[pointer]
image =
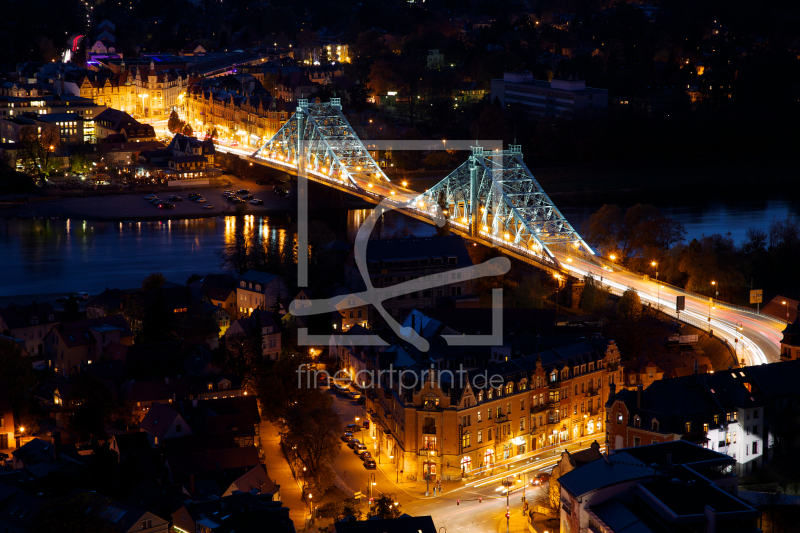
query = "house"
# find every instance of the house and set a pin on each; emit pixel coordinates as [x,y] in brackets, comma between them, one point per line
[31,323]
[660,487]
[206,464]
[7,427]
[108,302]
[270,332]
[569,462]
[255,481]
[131,447]
[259,290]
[224,298]
[18,509]
[163,422]
[738,412]
[236,512]
[78,343]
[40,457]
[240,426]
[122,126]
[401,524]
[140,396]
[218,386]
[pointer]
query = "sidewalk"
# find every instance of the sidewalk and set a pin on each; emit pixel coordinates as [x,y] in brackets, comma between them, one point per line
[518,523]
[279,470]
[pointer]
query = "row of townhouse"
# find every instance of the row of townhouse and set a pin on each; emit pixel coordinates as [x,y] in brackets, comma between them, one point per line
[249,119]
[445,423]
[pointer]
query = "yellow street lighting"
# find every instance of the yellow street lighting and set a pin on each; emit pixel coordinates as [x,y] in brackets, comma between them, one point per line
[405,184]
[653,263]
[612,257]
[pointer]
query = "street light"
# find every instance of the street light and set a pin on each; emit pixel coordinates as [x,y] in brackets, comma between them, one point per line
[396,469]
[310,501]
[658,287]
[787,310]
[716,288]
[372,483]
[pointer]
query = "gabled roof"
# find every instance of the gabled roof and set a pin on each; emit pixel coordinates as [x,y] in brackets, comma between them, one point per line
[80,333]
[156,390]
[264,278]
[132,443]
[255,478]
[20,316]
[158,420]
[182,466]
[237,424]
[678,452]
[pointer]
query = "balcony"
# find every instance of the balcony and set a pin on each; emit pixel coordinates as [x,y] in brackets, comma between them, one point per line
[537,408]
[554,385]
[592,392]
[501,419]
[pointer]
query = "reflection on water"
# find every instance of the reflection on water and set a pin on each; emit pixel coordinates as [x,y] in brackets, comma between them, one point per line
[52,256]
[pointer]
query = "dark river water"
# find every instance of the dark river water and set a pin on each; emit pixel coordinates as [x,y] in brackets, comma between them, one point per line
[51,256]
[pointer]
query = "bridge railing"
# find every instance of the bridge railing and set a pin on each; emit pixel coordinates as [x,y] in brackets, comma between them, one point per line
[568,250]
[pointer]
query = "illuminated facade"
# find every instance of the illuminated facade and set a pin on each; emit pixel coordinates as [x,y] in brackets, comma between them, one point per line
[249,120]
[144,92]
[442,428]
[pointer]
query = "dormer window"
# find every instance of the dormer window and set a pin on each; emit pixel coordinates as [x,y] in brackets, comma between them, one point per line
[637,422]
[242,284]
[654,425]
[34,321]
[258,288]
[210,386]
[251,285]
[510,388]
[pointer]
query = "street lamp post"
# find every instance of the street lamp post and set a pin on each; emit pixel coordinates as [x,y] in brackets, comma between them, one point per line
[787,310]
[311,502]
[396,469]
[658,287]
[716,289]
[372,484]
[360,426]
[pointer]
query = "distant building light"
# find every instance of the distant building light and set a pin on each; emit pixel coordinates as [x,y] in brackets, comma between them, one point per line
[392,93]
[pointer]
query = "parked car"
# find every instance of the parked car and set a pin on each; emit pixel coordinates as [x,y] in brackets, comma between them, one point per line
[346,436]
[358,449]
[280,191]
[264,181]
[353,443]
[154,201]
[201,200]
[365,455]
[233,199]
[176,198]
[243,191]
[352,428]
[209,206]
[247,196]
[149,196]
[194,196]
[166,205]
[370,464]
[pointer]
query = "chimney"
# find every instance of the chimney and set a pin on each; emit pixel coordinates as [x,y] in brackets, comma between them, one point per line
[639,396]
[57,445]
[612,393]
[606,459]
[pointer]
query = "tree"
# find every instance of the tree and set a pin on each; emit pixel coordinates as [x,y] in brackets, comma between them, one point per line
[188,131]
[384,507]
[241,357]
[192,278]
[175,124]
[594,296]
[311,428]
[629,307]
[529,294]
[236,254]
[89,407]
[382,77]
[154,281]
[157,321]
[37,151]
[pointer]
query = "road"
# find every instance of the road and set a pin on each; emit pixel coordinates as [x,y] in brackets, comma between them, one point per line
[469,506]
[756,338]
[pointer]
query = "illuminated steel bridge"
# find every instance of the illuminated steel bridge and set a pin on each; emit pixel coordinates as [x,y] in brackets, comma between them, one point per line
[492,197]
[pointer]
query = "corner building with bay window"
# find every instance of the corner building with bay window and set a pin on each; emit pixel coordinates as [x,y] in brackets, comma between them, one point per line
[442,425]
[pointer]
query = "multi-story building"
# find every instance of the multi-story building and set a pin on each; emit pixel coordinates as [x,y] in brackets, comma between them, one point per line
[60,103]
[259,290]
[30,323]
[395,261]
[71,127]
[744,412]
[445,423]
[15,129]
[565,99]
[270,332]
[146,92]
[79,343]
[119,126]
[674,486]
[7,427]
[295,86]
[247,119]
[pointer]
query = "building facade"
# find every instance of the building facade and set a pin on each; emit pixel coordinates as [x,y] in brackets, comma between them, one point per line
[451,427]
[564,99]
